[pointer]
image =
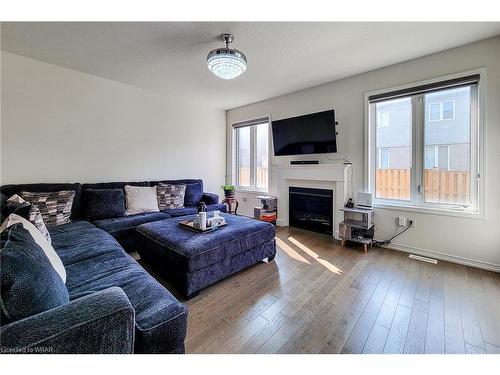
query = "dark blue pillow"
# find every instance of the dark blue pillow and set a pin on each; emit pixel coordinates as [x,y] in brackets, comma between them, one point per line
[7,208]
[193,194]
[29,283]
[21,209]
[103,203]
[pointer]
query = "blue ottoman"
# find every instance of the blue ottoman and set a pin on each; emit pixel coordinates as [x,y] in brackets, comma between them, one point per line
[192,261]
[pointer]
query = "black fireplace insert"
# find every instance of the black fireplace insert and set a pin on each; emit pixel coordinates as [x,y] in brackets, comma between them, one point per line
[311,209]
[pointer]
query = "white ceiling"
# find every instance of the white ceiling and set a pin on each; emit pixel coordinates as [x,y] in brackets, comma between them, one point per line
[169,57]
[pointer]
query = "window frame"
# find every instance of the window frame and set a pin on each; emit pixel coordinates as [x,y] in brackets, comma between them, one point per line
[417,203]
[252,124]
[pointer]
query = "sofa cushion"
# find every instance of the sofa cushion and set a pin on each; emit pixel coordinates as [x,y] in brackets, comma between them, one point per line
[55,207]
[103,203]
[217,207]
[151,301]
[29,283]
[140,199]
[193,195]
[194,189]
[170,196]
[39,239]
[129,222]
[112,185]
[10,190]
[72,241]
[174,212]
[19,206]
[95,261]
[16,205]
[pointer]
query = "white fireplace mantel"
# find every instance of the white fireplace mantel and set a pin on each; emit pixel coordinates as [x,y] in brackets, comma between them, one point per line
[336,177]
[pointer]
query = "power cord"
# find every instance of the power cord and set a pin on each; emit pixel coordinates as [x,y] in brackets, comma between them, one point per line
[392,237]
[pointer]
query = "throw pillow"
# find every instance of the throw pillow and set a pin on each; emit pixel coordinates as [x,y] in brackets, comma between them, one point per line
[55,207]
[103,203]
[33,215]
[170,196]
[139,199]
[41,241]
[16,205]
[29,283]
[193,195]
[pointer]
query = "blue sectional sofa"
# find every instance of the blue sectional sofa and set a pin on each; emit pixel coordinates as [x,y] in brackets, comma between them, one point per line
[114,306]
[123,228]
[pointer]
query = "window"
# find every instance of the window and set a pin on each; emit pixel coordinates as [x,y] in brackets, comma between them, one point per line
[441,111]
[437,157]
[251,151]
[394,147]
[383,158]
[383,119]
[419,161]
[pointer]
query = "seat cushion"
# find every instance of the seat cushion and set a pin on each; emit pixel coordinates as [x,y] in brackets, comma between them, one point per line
[202,250]
[129,222]
[80,240]
[95,261]
[123,228]
[29,283]
[175,212]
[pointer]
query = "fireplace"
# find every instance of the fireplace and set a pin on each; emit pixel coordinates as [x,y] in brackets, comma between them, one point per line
[311,209]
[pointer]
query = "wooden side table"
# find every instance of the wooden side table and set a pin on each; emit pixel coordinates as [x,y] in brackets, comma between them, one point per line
[231,204]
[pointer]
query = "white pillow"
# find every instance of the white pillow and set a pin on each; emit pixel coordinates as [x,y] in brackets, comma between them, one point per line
[139,199]
[41,241]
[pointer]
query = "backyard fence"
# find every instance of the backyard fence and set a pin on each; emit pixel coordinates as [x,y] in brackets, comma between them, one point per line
[439,186]
[261,176]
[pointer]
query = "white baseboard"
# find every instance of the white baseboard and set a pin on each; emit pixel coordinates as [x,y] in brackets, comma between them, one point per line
[447,257]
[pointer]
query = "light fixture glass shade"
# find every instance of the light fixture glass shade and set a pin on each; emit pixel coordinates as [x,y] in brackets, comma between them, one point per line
[226,63]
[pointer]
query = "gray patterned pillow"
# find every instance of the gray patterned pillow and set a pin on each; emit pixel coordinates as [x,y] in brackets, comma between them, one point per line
[170,196]
[55,207]
[34,216]
[37,220]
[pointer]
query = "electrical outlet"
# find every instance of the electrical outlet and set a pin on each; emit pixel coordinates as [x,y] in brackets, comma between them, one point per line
[402,221]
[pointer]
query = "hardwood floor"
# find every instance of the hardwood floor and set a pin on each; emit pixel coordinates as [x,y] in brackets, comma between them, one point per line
[319,297]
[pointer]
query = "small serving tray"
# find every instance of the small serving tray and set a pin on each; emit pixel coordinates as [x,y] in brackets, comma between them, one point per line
[189,224]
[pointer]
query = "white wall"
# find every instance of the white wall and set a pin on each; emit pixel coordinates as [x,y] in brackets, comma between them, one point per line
[61,125]
[468,241]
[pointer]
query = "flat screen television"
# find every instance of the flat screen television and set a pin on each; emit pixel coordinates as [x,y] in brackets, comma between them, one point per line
[308,134]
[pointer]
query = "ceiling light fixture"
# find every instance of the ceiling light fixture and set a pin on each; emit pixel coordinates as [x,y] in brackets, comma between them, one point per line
[227,63]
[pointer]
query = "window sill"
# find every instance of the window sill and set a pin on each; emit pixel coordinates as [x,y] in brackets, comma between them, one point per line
[251,191]
[429,210]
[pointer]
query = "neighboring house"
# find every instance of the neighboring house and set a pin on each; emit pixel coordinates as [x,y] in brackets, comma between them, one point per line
[446,131]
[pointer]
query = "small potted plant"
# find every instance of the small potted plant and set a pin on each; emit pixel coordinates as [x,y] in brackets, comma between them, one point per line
[229,190]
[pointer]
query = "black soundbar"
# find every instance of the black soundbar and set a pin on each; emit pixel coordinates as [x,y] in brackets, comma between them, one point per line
[294,162]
